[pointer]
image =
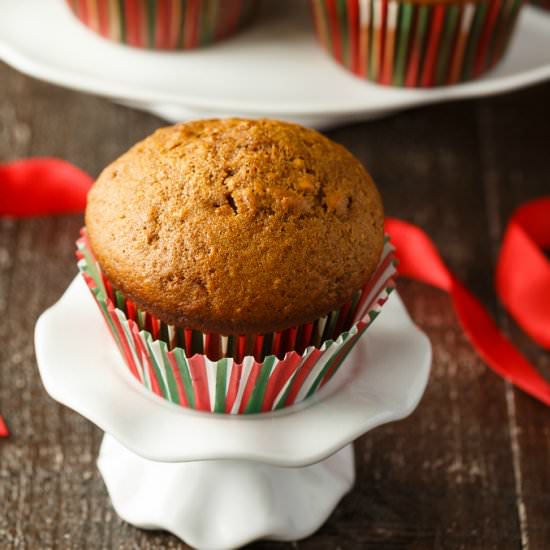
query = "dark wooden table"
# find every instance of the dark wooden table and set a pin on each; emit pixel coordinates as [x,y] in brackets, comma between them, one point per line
[469,469]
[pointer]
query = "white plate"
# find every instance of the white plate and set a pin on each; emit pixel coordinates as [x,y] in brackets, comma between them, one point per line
[275,68]
[81,367]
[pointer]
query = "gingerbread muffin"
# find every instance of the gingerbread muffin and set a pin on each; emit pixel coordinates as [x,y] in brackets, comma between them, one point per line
[235,238]
[236,226]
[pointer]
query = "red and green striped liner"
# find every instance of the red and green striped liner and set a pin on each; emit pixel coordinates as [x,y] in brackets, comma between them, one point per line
[415,44]
[246,378]
[164,24]
[545,4]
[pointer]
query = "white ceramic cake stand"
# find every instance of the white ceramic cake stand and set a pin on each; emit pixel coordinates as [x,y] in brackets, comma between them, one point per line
[221,481]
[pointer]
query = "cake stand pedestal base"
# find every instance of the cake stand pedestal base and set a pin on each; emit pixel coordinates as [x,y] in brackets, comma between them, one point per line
[224,504]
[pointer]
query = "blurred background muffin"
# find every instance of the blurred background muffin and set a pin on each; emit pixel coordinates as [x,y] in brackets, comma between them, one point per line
[164,24]
[418,43]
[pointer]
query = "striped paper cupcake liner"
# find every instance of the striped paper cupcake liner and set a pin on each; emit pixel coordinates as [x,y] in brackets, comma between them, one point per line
[237,382]
[415,44]
[164,24]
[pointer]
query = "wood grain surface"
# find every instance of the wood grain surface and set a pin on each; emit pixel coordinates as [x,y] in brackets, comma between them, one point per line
[469,469]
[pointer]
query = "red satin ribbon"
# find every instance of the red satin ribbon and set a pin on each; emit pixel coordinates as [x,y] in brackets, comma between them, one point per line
[41,186]
[51,186]
[523,286]
[523,272]
[3,428]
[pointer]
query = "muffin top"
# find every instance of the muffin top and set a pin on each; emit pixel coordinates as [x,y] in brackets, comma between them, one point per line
[236,226]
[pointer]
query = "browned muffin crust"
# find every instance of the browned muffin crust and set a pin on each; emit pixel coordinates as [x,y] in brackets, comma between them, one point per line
[236,226]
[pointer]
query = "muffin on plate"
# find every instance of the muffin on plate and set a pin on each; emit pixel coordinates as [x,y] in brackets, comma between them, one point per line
[164,24]
[236,261]
[416,43]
